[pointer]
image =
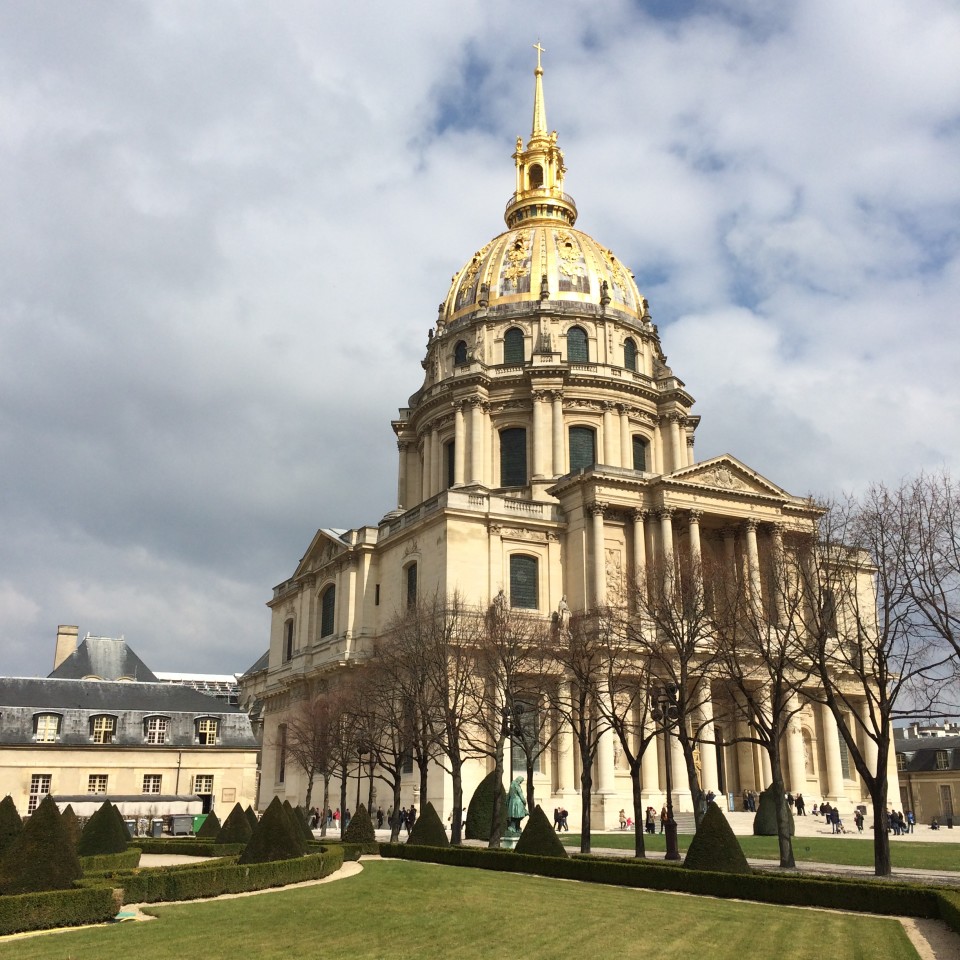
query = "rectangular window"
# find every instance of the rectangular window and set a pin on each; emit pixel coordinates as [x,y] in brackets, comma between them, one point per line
[282,753]
[39,788]
[524,582]
[287,641]
[901,761]
[451,454]
[103,729]
[151,782]
[203,784]
[207,730]
[411,585]
[525,737]
[844,759]
[328,609]
[943,760]
[376,595]
[97,783]
[639,453]
[582,448]
[513,457]
[157,730]
[48,727]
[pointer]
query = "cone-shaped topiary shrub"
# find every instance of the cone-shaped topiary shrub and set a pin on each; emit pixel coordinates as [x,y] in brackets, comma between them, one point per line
[276,837]
[297,821]
[210,828]
[539,838]
[480,809]
[105,832]
[10,823]
[361,829]
[765,820]
[42,856]
[252,818]
[428,830]
[714,846]
[236,828]
[71,824]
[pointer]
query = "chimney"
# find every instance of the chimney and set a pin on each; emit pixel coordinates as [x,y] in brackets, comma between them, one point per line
[66,643]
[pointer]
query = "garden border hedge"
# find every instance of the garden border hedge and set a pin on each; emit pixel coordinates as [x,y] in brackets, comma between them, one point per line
[98,862]
[57,908]
[861,896]
[188,847]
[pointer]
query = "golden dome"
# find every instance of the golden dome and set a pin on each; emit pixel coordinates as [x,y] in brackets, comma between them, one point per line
[541,256]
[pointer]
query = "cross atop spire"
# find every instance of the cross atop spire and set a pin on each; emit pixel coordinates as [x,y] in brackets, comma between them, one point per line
[539,110]
[539,50]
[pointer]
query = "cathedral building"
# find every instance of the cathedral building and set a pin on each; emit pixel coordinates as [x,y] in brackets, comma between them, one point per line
[548,454]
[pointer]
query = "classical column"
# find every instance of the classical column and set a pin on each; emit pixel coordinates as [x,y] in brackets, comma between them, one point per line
[626,442]
[426,471]
[870,754]
[606,757]
[696,554]
[657,446]
[649,764]
[565,746]
[795,754]
[709,779]
[438,478]
[459,444]
[765,766]
[540,436]
[476,440]
[559,460]
[746,770]
[402,474]
[691,459]
[640,552]
[675,453]
[831,750]
[609,438]
[666,548]
[681,782]
[595,510]
[779,569]
[753,561]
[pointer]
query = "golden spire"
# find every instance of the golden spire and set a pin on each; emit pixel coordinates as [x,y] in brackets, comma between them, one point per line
[539,110]
[539,192]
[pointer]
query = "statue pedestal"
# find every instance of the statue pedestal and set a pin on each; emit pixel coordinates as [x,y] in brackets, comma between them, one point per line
[508,842]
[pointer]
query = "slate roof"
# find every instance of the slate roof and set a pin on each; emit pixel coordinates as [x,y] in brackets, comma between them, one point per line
[105,658]
[921,753]
[262,663]
[62,694]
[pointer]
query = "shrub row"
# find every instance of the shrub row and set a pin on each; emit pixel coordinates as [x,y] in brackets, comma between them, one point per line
[57,908]
[194,882]
[111,861]
[188,847]
[351,851]
[861,896]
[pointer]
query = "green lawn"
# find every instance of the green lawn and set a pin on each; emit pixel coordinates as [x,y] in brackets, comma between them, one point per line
[399,910]
[846,851]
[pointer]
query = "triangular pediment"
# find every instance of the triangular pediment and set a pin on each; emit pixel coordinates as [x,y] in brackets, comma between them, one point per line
[728,474]
[326,545]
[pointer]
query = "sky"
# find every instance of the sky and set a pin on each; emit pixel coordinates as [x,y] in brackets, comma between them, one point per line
[225,229]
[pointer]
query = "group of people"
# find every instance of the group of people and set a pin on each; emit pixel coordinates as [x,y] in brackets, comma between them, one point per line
[560,819]
[797,804]
[831,815]
[899,824]
[332,817]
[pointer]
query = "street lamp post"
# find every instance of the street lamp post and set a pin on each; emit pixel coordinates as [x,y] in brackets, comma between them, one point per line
[361,753]
[665,712]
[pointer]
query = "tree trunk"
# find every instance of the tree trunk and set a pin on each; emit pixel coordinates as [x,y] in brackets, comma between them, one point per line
[586,795]
[422,764]
[494,841]
[326,804]
[310,775]
[395,815]
[343,797]
[882,866]
[639,819]
[456,831]
[783,816]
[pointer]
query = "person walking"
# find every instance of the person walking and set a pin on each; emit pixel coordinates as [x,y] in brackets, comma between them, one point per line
[799,804]
[379,818]
[663,819]
[858,820]
[911,821]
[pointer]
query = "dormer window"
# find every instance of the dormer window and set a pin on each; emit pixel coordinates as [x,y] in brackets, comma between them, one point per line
[155,729]
[46,727]
[901,762]
[208,730]
[943,760]
[103,728]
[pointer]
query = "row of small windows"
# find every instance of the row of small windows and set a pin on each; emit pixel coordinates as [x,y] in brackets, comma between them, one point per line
[578,349]
[103,728]
[98,783]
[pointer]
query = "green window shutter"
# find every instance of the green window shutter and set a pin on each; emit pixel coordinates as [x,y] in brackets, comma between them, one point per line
[328,606]
[582,448]
[630,355]
[577,345]
[513,346]
[513,457]
[451,461]
[411,584]
[524,586]
[639,453]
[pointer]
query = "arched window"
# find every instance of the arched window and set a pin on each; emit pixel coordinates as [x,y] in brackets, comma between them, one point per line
[411,585]
[328,609]
[513,346]
[460,352]
[450,452]
[524,582]
[103,728]
[46,727]
[577,351]
[639,453]
[155,729]
[288,641]
[536,176]
[513,457]
[583,448]
[901,762]
[630,354]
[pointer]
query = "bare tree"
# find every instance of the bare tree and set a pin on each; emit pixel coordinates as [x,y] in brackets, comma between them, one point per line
[876,657]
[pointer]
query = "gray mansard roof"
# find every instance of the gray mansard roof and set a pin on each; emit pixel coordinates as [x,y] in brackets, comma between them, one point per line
[76,701]
[106,659]
[921,752]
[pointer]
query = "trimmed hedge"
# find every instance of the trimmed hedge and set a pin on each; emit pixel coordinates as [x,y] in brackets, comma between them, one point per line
[480,809]
[42,856]
[715,847]
[199,881]
[105,832]
[277,836]
[252,817]
[539,838]
[71,824]
[360,829]
[428,830]
[236,828]
[57,908]
[765,819]
[351,851]
[128,860]
[209,828]
[187,847]
[839,894]
[11,823]
[950,908]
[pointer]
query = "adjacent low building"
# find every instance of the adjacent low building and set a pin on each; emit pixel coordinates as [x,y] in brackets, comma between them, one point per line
[928,765]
